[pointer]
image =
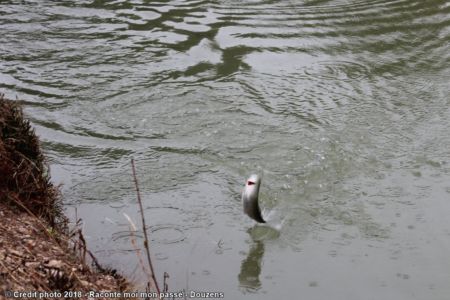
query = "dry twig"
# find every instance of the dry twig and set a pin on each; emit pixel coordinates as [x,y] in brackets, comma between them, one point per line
[144,229]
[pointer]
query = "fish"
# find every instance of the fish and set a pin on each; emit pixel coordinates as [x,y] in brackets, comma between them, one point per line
[250,197]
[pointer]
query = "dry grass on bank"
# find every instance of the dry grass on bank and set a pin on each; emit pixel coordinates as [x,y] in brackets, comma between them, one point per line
[32,260]
[24,176]
[37,251]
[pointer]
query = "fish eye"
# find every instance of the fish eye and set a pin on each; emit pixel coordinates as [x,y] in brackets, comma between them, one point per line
[250,182]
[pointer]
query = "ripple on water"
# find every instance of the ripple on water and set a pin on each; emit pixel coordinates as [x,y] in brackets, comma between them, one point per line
[264,233]
[143,15]
[337,70]
[161,231]
[161,234]
[167,233]
[188,26]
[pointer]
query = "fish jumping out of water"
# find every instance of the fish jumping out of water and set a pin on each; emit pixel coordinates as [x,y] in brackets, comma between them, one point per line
[250,198]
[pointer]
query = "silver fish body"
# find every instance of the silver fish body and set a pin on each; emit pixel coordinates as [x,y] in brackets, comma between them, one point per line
[250,197]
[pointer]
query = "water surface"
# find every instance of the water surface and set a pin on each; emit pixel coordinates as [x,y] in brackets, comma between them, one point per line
[342,106]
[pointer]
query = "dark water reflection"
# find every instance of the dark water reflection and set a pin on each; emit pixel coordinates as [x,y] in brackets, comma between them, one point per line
[342,105]
[251,268]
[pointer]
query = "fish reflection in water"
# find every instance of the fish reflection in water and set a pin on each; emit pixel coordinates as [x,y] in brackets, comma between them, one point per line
[251,268]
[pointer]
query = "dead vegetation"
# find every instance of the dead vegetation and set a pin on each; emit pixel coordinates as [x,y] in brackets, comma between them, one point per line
[24,176]
[37,250]
[30,260]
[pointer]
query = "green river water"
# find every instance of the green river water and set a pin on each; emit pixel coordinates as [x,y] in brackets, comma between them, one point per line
[342,106]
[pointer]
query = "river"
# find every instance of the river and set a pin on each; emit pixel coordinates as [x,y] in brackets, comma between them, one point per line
[342,106]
